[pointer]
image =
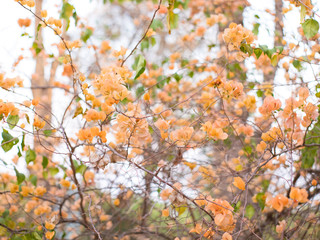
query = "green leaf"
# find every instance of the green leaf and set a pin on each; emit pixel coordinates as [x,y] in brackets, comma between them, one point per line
[255,30]
[302,13]
[274,60]
[265,185]
[8,141]
[257,52]
[53,171]
[135,63]
[259,93]
[27,118]
[170,14]
[180,210]
[177,77]
[36,48]
[45,175]
[30,156]
[248,149]
[66,12]
[78,111]
[297,65]
[280,48]
[161,81]
[308,157]
[22,141]
[139,91]
[12,120]
[33,179]
[47,132]
[249,211]
[19,152]
[144,44]
[81,169]
[246,48]
[153,41]
[141,66]
[45,162]
[38,29]
[310,28]
[237,206]
[75,17]
[267,51]
[20,176]
[251,85]
[261,199]
[36,236]
[86,35]
[190,74]
[6,213]
[156,24]
[264,48]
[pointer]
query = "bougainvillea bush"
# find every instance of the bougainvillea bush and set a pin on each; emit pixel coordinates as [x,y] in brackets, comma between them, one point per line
[162,120]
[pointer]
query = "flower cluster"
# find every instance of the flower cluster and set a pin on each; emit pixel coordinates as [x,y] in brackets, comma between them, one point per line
[88,134]
[182,136]
[235,35]
[111,83]
[269,105]
[214,132]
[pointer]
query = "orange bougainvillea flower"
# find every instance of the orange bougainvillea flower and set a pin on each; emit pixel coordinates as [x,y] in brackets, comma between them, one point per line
[279,202]
[105,46]
[165,212]
[65,183]
[37,123]
[14,188]
[269,105]
[239,183]
[8,108]
[197,229]
[116,202]
[93,115]
[39,191]
[165,194]
[261,146]
[215,133]
[24,22]
[89,176]
[49,235]
[35,102]
[162,124]
[226,236]
[49,226]
[281,227]
[235,35]
[44,13]
[25,190]
[104,217]
[303,93]
[222,211]
[209,233]
[224,221]
[300,195]
[182,136]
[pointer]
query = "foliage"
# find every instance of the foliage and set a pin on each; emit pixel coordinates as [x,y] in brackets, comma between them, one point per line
[173,137]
